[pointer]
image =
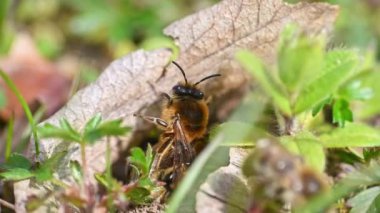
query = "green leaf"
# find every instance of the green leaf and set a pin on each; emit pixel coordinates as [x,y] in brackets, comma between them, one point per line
[76,171]
[111,184]
[147,183]
[255,67]
[149,156]
[101,178]
[8,81]
[233,131]
[93,122]
[16,160]
[365,201]
[355,91]
[16,174]
[139,195]
[342,112]
[371,107]
[50,131]
[320,106]
[109,128]
[371,153]
[308,146]
[138,159]
[43,174]
[299,60]
[353,135]
[64,124]
[54,161]
[339,66]
[46,169]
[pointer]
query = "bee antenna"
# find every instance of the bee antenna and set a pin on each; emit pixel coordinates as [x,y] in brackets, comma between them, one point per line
[183,72]
[208,77]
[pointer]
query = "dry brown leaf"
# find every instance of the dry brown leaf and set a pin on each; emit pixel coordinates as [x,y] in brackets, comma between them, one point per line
[208,41]
[37,79]
[120,91]
[226,189]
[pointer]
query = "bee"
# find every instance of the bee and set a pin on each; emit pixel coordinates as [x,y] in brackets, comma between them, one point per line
[184,121]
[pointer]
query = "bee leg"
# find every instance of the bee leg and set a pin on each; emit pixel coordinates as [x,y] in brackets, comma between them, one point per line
[165,95]
[157,121]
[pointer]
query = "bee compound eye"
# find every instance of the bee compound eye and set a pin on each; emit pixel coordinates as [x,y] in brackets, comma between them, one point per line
[179,90]
[197,94]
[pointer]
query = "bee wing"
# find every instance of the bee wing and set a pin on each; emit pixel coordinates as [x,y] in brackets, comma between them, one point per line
[183,153]
[183,148]
[173,155]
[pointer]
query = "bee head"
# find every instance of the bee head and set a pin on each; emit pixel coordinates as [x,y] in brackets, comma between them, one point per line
[186,90]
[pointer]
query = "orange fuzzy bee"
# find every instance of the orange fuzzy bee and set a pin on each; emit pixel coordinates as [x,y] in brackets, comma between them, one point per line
[184,120]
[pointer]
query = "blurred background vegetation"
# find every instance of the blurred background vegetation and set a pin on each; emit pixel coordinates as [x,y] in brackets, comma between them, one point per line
[86,35]
[100,31]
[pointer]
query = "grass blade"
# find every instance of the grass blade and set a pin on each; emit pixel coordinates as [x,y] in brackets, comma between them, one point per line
[8,143]
[25,107]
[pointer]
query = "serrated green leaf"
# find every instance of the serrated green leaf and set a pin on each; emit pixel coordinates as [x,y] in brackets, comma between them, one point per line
[64,124]
[365,201]
[46,169]
[147,183]
[342,112]
[93,123]
[138,159]
[43,174]
[299,60]
[139,195]
[339,66]
[51,131]
[17,160]
[353,135]
[109,128]
[16,174]
[308,146]
[255,67]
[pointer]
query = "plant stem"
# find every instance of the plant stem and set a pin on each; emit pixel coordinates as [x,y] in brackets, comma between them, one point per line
[8,143]
[7,204]
[25,107]
[109,176]
[59,183]
[84,163]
